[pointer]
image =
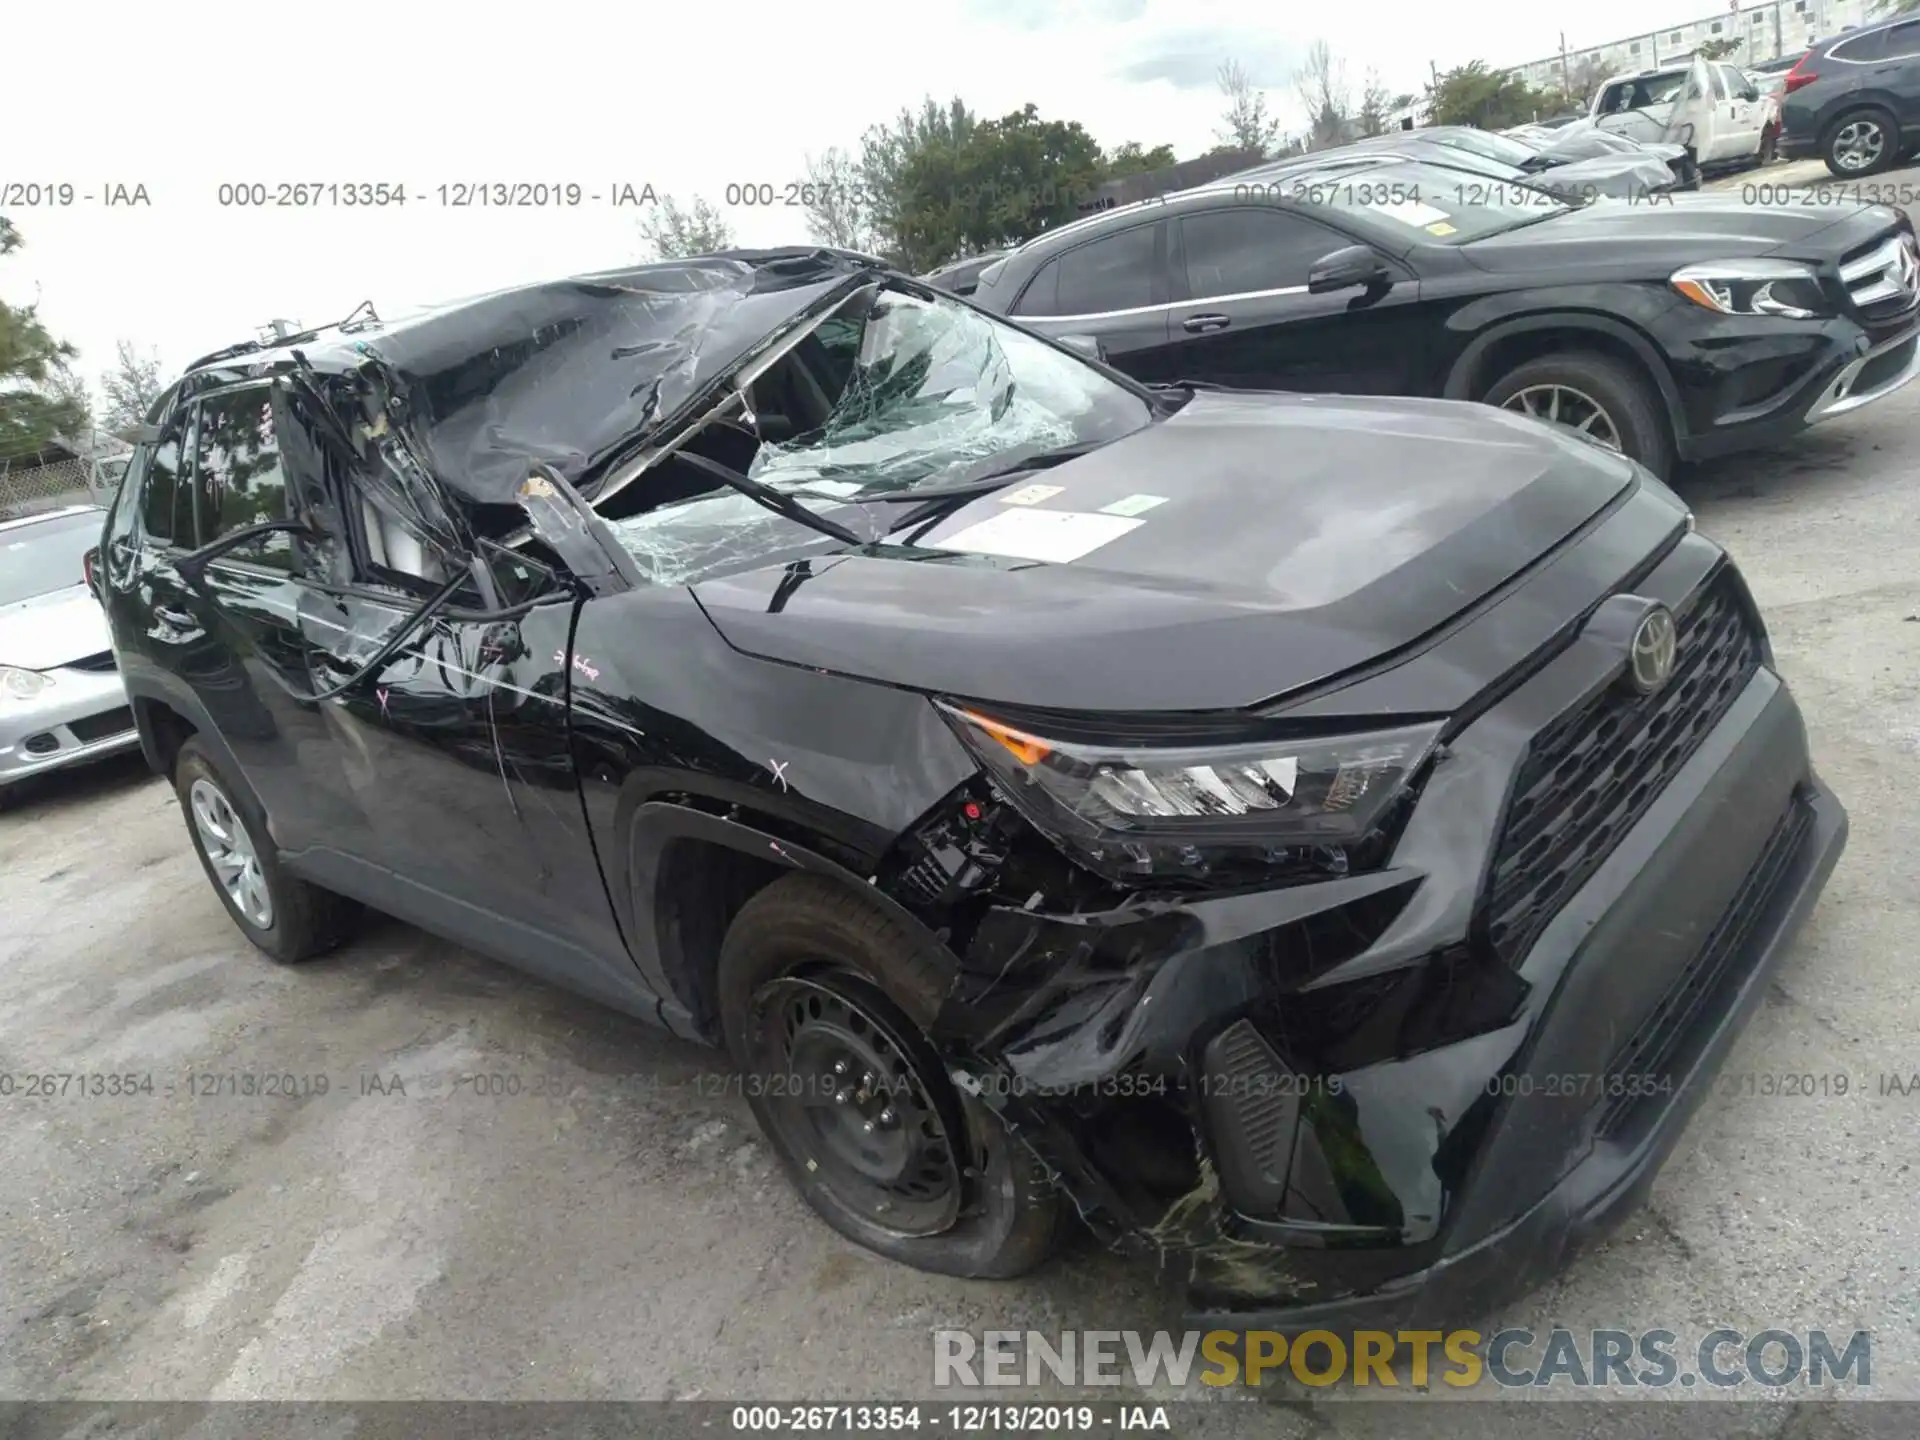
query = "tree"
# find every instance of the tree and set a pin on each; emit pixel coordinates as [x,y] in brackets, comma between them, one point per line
[834,200]
[887,150]
[1322,83]
[1471,94]
[676,234]
[131,387]
[1583,78]
[1716,49]
[1131,159]
[1375,105]
[1247,124]
[1003,183]
[36,395]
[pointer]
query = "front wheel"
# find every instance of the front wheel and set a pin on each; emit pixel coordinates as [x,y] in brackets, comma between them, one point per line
[1595,394]
[1861,142]
[824,1002]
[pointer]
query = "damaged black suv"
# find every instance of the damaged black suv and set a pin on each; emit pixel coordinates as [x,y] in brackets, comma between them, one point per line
[1324,842]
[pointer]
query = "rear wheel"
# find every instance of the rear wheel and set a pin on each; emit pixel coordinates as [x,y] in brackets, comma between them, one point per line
[1596,394]
[824,1002]
[1861,142]
[285,917]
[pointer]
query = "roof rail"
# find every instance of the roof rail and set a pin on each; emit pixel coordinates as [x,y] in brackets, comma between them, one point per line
[363,316]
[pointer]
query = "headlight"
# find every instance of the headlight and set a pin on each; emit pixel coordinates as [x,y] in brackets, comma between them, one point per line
[1754,287]
[1141,810]
[18,684]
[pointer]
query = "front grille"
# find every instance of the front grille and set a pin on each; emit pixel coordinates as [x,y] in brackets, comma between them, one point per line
[1593,772]
[1658,1040]
[1881,278]
[99,727]
[102,662]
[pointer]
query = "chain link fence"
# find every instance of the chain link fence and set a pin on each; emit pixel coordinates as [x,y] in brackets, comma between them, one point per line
[57,476]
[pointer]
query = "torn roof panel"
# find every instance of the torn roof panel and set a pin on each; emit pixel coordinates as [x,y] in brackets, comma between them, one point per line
[575,372]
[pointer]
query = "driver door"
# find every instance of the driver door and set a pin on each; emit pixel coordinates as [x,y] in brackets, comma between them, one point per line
[455,746]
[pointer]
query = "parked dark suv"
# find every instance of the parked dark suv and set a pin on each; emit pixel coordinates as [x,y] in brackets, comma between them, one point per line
[1229,818]
[1854,100]
[1682,326]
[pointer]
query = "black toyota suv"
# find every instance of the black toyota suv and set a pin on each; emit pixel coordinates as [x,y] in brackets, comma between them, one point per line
[1230,818]
[1676,326]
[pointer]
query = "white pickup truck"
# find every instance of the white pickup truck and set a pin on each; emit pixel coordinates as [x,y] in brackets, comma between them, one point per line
[1707,104]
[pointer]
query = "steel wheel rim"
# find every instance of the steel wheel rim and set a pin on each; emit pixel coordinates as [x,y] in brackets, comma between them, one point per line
[223,839]
[1564,405]
[842,1064]
[1859,144]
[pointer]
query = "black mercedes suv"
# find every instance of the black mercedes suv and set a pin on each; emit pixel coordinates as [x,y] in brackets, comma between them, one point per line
[1326,843]
[1673,326]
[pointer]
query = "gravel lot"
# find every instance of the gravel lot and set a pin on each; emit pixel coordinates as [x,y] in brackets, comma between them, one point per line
[630,1236]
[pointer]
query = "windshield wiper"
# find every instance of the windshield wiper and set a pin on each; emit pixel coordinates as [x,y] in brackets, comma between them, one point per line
[766,495]
[939,498]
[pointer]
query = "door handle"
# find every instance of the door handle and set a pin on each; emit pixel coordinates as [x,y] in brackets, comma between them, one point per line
[1198,324]
[173,617]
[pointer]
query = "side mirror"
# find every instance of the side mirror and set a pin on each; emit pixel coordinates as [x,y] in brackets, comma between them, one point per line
[1752,92]
[1346,267]
[1090,346]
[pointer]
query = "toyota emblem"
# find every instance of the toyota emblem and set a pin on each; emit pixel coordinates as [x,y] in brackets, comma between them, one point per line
[1650,657]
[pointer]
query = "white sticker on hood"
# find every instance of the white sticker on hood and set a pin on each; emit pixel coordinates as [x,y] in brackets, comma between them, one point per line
[1031,494]
[1056,535]
[1133,505]
[1410,212]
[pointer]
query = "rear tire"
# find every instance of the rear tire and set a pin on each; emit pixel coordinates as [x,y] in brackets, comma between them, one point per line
[1861,142]
[824,1004]
[1627,401]
[288,919]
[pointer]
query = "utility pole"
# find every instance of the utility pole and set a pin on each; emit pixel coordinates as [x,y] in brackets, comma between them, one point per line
[1566,72]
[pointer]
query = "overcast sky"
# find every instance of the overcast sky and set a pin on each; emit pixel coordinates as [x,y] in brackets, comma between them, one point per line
[688,98]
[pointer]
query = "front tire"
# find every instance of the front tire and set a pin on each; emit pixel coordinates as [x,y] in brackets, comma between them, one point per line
[286,918]
[824,1005]
[1861,142]
[1606,398]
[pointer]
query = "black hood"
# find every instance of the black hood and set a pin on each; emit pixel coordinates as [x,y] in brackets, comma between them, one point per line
[578,372]
[1280,540]
[1660,235]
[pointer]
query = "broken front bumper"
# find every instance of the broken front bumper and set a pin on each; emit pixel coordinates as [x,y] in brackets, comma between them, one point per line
[1466,1083]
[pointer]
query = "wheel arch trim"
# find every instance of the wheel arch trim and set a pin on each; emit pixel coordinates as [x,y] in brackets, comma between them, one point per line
[1461,377]
[652,826]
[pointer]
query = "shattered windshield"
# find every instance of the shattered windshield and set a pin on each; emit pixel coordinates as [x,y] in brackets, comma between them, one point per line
[891,394]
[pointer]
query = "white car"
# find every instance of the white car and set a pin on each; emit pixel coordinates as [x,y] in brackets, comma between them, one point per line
[61,697]
[1712,106]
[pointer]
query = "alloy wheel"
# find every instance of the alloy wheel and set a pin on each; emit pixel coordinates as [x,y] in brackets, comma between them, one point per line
[1859,144]
[1564,405]
[223,839]
[859,1101]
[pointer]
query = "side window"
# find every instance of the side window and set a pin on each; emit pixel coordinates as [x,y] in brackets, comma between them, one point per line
[1112,273]
[1038,297]
[1902,42]
[1734,82]
[1861,47]
[1237,252]
[166,505]
[1115,273]
[237,479]
[1720,90]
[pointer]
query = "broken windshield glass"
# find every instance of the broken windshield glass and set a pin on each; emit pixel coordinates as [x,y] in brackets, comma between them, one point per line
[914,393]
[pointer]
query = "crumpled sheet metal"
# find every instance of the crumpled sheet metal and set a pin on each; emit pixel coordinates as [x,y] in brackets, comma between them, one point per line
[573,372]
